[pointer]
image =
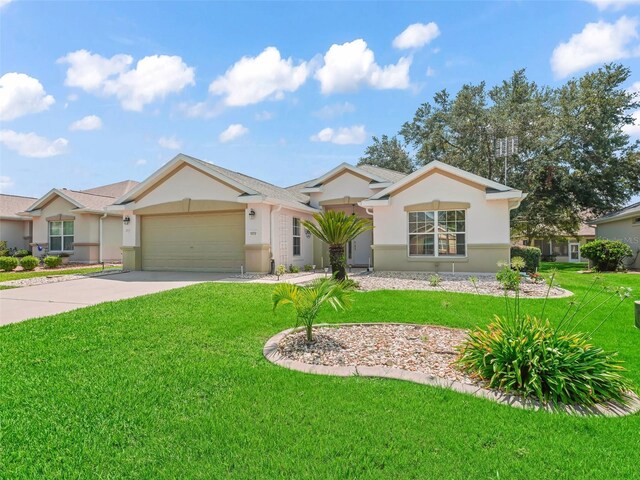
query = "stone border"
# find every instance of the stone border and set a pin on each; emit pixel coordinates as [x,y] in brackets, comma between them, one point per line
[608,409]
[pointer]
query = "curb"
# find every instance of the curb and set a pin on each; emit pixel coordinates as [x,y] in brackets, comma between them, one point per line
[607,409]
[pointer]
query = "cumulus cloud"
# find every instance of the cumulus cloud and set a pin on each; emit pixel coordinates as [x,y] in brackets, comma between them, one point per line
[337,109]
[5,183]
[32,145]
[233,131]
[352,64]
[141,162]
[613,4]
[417,35]
[633,130]
[354,135]
[170,143]
[597,43]
[153,78]
[90,122]
[20,95]
[4,2]
[254,79]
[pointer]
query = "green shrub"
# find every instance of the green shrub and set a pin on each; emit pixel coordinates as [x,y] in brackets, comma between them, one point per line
[435,280]
[518,263]
[8,263]
[606,255]
[294,269]
[21,253]
[4,249]
[308,268]
[280,270]
[531,256]
[508,278]
[52,261]
[528,356]
[29,262]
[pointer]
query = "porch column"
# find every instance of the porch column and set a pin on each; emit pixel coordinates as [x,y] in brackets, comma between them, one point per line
[131,251]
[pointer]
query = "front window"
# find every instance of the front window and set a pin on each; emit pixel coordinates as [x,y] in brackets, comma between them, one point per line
[296,236]
[60,236]
[437,233]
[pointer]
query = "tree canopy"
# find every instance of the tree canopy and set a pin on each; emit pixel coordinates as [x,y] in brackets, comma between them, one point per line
[388,153]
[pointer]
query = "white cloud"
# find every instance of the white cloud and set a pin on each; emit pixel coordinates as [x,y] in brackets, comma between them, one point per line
[613,4]
[430,72]
[337,109]
[417,35]
[264,116]
[634,88]
[32,145]
[354,135]
[5,183]
[633,130]
[141,162]
[233,131]
[4,2]
[170,143]
[597,43]
[352,64]
[254,79]
[153,78]
[199,110]
[90,122]
[20,95]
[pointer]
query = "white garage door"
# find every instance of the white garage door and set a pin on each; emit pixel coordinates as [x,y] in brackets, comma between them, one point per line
[210,242]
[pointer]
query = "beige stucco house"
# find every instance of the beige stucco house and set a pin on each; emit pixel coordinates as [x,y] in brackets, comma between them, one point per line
[564,248]
[15,229]
[77,224]
[193,215]
[622,225]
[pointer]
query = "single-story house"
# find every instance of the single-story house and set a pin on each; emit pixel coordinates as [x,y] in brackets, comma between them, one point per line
[623,225]
[75,223]
[565,248]
[193,215]
[15,229]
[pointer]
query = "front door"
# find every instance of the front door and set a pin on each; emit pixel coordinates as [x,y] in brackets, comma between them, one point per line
[359,250]
[574,252]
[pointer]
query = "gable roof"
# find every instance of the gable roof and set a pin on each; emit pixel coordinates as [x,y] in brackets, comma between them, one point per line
[492,189]
[114,190]
[249,186]
[389,175]
[10,205]
[379,176]
[629,211]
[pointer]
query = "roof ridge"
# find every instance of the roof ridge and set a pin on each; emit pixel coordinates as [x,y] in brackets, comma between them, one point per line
[382,168]
[19,196]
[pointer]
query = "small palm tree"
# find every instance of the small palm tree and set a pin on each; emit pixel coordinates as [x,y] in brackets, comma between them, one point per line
[307,300]
[336,229]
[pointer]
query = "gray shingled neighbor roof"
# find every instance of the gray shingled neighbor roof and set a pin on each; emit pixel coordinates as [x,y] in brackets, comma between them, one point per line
[632,209]
[390,175]
[115,190]
[89,200]
[10,205]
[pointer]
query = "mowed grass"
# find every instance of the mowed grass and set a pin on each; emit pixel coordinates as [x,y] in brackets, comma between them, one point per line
[174,385]
[6,276]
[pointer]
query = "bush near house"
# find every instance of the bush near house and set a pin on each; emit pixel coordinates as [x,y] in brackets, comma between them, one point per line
[29,262]
[606,255]
[21,253]
[52,261]
[531,256]
[4,250]
[8,263]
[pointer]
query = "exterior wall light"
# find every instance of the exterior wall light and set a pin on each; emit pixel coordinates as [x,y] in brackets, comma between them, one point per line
[252,214]
[126,220]
[307,233]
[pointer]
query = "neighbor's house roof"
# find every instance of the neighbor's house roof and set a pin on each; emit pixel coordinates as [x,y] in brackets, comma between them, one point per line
[10,205]
[114,190]
[254,190]
[629,211]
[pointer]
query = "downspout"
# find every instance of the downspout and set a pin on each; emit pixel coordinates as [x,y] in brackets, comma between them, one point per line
[100,238]
[271,231]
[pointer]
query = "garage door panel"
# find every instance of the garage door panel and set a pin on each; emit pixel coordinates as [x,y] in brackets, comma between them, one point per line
[196,242]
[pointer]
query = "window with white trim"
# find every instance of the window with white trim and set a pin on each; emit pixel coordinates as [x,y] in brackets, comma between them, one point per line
[296,237]
[61,236]
[439,233]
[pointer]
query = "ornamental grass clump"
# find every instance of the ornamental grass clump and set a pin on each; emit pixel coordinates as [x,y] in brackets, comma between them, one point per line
[307,300]
[527,355]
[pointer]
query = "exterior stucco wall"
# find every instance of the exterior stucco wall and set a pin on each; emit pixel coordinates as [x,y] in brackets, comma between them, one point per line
[487,228]
[112,239]
[17,233]
[283,240]
[626,230]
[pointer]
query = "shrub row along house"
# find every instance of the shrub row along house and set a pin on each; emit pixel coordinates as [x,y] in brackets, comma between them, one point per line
[193,215]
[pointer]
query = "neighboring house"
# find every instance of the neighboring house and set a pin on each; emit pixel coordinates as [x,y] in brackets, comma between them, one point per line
[565,248]
[193,215]
[15,229]
[622,225]
[76,223]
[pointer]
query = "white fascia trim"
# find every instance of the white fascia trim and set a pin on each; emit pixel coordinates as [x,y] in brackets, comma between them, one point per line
[375,186]
[51,193]
[33,213]
[94,211]
[374,203]
[292,205]
[504,195]
[625,216]
[115,208]
[251,198]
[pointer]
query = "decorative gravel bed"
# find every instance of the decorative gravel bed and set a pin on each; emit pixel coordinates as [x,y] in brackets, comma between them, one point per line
[416,348]
[486,284]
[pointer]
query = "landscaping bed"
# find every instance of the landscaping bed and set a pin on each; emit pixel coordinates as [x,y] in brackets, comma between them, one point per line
[54,275]
[486,284]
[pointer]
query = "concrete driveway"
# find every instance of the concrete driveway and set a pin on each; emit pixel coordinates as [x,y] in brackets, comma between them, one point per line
[19,304]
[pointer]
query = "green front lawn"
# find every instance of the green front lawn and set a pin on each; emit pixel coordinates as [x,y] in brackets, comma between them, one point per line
[174,385]
[6,276]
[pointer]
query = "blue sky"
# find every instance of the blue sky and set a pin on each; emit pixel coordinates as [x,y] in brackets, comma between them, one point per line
[94,93]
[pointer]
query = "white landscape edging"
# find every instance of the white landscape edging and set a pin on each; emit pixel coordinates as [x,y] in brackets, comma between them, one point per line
[608,409]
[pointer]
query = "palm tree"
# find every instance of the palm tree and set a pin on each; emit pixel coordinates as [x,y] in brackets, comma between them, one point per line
[336,229]
[307,300]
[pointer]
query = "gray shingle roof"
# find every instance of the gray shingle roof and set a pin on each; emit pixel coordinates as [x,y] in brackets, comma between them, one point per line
[390,175]
[10,205]
[628,210]
[89,200]
[115,190]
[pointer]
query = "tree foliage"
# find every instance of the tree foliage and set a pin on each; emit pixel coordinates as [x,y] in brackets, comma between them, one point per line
[388,153]
[574,159]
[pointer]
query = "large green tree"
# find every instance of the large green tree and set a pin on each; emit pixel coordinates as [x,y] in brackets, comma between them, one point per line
[574,159]
[388,153]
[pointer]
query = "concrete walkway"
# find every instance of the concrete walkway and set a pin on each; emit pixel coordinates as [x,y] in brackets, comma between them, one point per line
[18,304]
